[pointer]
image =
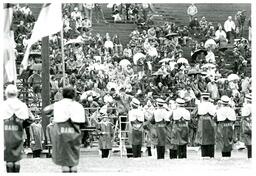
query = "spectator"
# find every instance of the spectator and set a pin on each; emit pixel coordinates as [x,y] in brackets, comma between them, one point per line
[192,11]
[230,27]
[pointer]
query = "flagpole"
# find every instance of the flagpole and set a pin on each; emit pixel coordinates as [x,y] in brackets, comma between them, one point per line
[63,57]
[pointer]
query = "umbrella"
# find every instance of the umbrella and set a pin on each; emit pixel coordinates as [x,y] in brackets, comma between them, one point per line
[233,77]
[182,60]
[138,56]
[88,93]
[172,34]
[124,63]
[112,85]
[36,67]
[159,72]
[197,52]
[152,52]
[193,72]
[210,43]
[222,80]
[208,65]
[35,54]
[73,41]
[166,60]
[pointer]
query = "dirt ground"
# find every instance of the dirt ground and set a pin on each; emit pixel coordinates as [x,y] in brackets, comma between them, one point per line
[115,164]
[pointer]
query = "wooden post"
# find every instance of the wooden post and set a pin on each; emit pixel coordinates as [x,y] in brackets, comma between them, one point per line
[45,79]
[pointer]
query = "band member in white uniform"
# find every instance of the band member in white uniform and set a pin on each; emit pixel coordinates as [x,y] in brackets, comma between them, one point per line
[205,136]
[181,118]
[160,116]
[68,115]
[226,118]
[15,115]
[136,119]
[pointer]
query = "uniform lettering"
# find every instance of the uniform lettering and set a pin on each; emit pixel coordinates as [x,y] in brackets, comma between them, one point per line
[11,128]
[227,124]
[65,130]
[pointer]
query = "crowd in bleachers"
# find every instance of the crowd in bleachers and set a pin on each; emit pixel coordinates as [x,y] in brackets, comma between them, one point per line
[104,71]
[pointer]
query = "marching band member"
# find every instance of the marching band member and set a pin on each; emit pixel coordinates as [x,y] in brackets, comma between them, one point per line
[106,132]
[180,129]
[136,119]
[226,118]
[206,126]
[150,128]
[16,117]
[246,125]
[68,115]
[160,116]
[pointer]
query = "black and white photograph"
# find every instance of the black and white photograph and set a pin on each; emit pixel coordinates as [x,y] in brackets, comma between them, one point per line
[126,87]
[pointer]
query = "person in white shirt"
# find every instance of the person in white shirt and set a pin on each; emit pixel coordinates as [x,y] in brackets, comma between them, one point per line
[108,45]
[76,14]
[136,119]
[221,37]
[88,10]
[226,118]
[229,27]
[13,113]
[192,11]
[68,115]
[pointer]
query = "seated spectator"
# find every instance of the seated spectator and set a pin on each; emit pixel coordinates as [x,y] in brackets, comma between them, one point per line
[108,45]
[220,37]
[194,24]
[76,14]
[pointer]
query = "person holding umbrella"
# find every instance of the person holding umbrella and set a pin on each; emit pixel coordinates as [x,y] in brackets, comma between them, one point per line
[15,115]
[68,116]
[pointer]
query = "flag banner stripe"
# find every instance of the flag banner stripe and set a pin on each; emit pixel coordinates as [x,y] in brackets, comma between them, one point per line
[49,22]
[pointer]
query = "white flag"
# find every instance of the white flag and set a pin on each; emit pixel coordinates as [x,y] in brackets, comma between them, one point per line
[9,57]
[49,22]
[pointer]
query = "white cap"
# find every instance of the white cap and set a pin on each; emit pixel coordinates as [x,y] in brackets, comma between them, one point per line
[11,89]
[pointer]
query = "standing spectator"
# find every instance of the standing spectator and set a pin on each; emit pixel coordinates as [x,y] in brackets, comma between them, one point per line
[14,113]
[192,11]
[226,118]
[88,10]
[229,27]
[37,137]
[136,119]
[99,13]
[68,116]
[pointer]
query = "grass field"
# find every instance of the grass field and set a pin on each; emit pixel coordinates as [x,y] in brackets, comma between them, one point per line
[115,164]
